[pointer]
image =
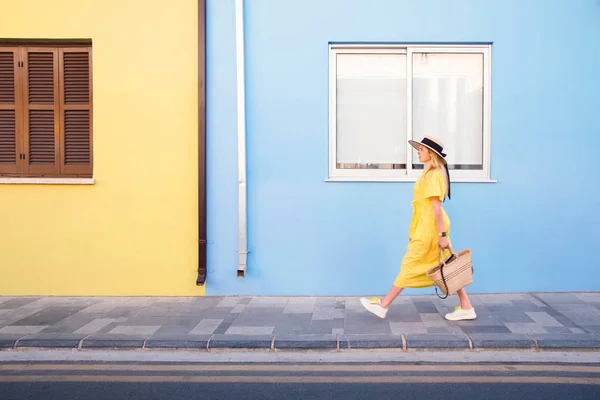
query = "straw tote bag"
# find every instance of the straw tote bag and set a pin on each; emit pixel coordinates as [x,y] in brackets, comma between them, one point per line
[452,275]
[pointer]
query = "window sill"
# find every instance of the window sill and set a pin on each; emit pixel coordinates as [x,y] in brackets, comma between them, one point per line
[404,179]
[47,181]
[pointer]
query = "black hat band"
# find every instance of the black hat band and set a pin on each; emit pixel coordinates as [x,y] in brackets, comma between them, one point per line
[430,143]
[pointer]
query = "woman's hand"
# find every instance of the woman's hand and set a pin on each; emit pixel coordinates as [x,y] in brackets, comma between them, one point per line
[443,243]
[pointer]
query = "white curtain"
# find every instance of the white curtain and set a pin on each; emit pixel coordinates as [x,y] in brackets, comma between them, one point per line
[371,108]
[448,104]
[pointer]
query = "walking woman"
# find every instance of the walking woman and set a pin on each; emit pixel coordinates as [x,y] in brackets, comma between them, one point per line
[428,233]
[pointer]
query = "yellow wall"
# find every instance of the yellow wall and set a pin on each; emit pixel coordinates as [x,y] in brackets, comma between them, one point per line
[135,231]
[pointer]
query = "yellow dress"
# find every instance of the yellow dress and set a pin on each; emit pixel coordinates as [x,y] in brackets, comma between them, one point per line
[423,250]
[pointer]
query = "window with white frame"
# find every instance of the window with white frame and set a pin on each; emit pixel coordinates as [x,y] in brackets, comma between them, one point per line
[382,96]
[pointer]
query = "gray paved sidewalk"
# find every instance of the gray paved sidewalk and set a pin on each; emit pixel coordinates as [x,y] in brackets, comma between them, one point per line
[525,321]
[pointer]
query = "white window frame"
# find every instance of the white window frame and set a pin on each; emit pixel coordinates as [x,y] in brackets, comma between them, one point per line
[409,174]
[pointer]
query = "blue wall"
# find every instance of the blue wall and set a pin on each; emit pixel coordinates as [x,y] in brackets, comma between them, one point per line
[536,229]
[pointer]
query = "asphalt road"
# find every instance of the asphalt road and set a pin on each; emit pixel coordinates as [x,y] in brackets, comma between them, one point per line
[116,381]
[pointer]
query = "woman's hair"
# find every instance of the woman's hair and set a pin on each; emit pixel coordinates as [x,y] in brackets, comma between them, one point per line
[435,162]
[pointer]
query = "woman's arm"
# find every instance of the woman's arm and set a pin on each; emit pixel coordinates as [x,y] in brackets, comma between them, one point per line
[439,221]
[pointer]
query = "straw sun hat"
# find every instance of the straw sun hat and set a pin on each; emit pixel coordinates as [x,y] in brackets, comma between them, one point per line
[432,144]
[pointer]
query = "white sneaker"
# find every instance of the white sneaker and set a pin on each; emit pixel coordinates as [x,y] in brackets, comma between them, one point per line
[374,306]
[460,315]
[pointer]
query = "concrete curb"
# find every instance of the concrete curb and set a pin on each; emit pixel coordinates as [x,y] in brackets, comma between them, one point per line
[410,342]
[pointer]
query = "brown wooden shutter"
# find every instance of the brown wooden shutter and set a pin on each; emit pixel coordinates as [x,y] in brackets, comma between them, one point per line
[41,119]
[76,111]
[10,132]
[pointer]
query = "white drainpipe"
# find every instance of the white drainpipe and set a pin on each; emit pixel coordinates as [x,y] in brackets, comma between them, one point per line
[241,123]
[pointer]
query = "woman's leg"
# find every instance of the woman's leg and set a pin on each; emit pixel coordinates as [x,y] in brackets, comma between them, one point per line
[465,304]
[389,298]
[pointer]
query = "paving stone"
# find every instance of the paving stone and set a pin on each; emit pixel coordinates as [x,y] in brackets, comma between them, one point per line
[356,323]
[102,307]
[588,297]
[69,325]
[526,305]
[306,342]
[340,305]
[250,330]
[325,327]
[11,317]
[405,313]
[94,326]
[179,328]
[371,341]
[440,330]
[536,302]
[119,312]
[425,307]
[554,299]
[353,304]
[239,308]
[226,324]
[22,329]
[205,303]
[298,309]
[434,321]
[178,341]
[103,340]
[326,302]
[567,341]
[501,341]
[51,340]
[259,316]
[293,323]
[399,328]
[17,302]
[561,318]
[501,298]
[48,316]
[512,316]
[269,302]
[241,341]
[206,326]
[543,319]
[525,328]
[323,313]
[581,315]
[228,302]
[5,298]
[214,313]
[436,341]
[170,310]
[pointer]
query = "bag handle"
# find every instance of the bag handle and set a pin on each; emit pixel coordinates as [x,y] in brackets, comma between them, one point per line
[443,262]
